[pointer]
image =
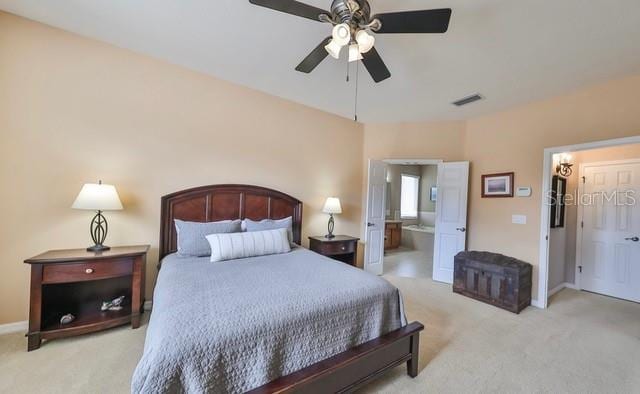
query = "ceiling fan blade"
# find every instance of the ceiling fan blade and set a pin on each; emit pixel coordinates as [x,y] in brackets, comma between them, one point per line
[428,21]
[314,58]
[376,67]
[293,8]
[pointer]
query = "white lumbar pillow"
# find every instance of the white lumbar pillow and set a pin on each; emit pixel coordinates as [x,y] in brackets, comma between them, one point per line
[231,246]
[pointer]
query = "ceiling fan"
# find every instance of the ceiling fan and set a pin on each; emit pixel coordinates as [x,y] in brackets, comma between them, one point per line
[352,21]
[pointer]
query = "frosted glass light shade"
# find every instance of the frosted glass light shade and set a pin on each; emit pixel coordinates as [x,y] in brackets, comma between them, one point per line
[98,197]
[332,206]
[354,53]
[365,41]
[341,34]
[333,49]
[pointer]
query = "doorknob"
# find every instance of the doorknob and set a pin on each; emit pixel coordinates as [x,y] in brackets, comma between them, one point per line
[634,239]
[370,224]
[462,229]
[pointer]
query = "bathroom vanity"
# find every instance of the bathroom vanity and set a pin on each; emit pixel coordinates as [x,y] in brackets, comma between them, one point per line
[392,234]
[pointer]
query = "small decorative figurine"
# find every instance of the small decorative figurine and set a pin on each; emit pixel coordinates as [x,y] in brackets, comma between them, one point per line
[113,305]
[66,319]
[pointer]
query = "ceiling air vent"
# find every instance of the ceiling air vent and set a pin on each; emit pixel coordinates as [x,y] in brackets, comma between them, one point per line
[467,100]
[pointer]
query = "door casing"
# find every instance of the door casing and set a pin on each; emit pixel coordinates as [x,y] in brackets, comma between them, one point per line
[542,299]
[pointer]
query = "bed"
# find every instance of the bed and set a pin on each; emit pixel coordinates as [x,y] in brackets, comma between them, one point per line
[281,323]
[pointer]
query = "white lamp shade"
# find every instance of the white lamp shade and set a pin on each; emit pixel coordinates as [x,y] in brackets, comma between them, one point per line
[341,34]
[332,205]
[333,49]
[365,41]
[98,197]
[354,53]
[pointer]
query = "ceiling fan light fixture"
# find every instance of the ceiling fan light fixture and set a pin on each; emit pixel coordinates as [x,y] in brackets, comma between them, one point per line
[354,53]
[353,23]
[365,41]
[333,48]
[342,34]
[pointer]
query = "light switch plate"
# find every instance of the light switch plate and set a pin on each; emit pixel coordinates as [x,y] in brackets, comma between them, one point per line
[519,219]
[523,191]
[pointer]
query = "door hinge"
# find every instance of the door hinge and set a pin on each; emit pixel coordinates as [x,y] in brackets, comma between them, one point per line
[582,224]
[546,238]
[580,268]
[584,179]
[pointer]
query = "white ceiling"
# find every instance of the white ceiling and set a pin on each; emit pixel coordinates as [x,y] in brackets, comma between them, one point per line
[512,52]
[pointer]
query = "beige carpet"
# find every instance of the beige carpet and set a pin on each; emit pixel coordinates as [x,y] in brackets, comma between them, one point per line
[585,343]
[408,263]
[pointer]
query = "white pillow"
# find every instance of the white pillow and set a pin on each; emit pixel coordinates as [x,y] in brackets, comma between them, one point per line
[241,245]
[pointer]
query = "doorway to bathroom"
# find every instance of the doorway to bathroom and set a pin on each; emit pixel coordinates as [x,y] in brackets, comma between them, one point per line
[410,215]
[416,217]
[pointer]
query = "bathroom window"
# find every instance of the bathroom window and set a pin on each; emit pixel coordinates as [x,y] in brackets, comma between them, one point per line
[409,190]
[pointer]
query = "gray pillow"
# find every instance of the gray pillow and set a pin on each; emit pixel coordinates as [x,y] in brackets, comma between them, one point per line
[270,224]
[191,236]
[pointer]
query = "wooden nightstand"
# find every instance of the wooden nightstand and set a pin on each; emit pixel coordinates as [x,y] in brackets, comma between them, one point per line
[76,281]
[342,248]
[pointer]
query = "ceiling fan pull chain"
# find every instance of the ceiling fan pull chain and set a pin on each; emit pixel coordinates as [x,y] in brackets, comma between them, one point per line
[355,107]
[348,69]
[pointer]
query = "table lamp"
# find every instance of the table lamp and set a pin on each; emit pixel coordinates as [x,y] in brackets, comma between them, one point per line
[98,197]
[331,206]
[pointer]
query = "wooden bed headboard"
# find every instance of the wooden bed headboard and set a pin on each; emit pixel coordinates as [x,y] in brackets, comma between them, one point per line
[225,202]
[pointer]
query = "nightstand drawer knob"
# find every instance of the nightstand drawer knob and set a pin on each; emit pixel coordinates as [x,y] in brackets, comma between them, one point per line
[88,271]
[344,248]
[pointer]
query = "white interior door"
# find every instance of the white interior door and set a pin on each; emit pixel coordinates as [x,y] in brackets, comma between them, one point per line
[451,218]
[610,245]
[374,233]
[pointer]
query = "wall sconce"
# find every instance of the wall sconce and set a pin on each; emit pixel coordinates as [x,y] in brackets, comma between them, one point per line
[564,165]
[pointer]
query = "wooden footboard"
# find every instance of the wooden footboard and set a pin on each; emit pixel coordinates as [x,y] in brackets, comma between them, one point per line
[347,371]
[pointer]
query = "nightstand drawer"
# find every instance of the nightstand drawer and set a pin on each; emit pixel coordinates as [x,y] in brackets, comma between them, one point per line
[80,272]
[330,248]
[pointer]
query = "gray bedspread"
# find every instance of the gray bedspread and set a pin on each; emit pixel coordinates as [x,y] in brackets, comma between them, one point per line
[232,326]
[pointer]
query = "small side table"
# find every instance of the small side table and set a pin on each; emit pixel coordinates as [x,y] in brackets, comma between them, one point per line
[342,248]
[76,281]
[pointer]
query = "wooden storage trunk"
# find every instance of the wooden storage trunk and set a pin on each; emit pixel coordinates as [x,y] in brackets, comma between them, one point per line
[493,278]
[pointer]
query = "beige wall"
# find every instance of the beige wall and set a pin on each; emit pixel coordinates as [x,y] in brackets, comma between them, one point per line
[433,140]
[73,110]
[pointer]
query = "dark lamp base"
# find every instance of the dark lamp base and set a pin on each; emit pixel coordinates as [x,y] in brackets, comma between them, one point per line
[98,248]
[330,228]
[98,233]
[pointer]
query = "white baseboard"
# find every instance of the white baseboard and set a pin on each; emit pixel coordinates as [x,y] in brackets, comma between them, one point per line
[148,305]
[565,285]
[535,303]
[11,328]
[556,289]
